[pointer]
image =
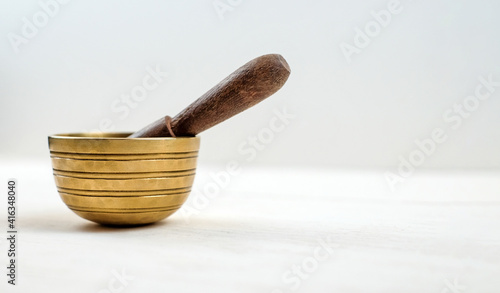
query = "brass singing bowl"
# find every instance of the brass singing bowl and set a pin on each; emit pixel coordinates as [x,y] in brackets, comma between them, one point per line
[110,179]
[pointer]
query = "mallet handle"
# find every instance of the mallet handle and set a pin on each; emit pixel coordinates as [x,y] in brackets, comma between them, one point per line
[247,86]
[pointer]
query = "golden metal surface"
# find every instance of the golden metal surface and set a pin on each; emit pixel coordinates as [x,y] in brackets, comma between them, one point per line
[130,175]
[124,184]
[125,157]
[114,143]
[124,192]
[125,219]
[115,166]
[110,179]
[100,202]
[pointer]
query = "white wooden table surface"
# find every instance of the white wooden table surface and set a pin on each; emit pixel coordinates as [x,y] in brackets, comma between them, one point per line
[270,230]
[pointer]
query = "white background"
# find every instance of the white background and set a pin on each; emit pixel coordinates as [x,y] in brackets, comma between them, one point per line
[323,177]
[363,113]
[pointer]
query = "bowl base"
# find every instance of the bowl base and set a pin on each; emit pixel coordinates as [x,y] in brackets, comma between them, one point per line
[124,219]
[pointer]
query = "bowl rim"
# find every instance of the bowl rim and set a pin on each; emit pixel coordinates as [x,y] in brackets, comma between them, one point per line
[110,135]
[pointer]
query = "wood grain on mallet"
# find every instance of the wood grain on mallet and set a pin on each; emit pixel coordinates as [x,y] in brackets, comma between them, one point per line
[242,89]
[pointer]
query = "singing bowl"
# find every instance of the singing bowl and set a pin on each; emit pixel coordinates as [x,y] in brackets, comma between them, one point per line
[110,179]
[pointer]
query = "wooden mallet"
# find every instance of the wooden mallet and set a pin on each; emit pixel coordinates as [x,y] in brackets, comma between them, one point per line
[247,86]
